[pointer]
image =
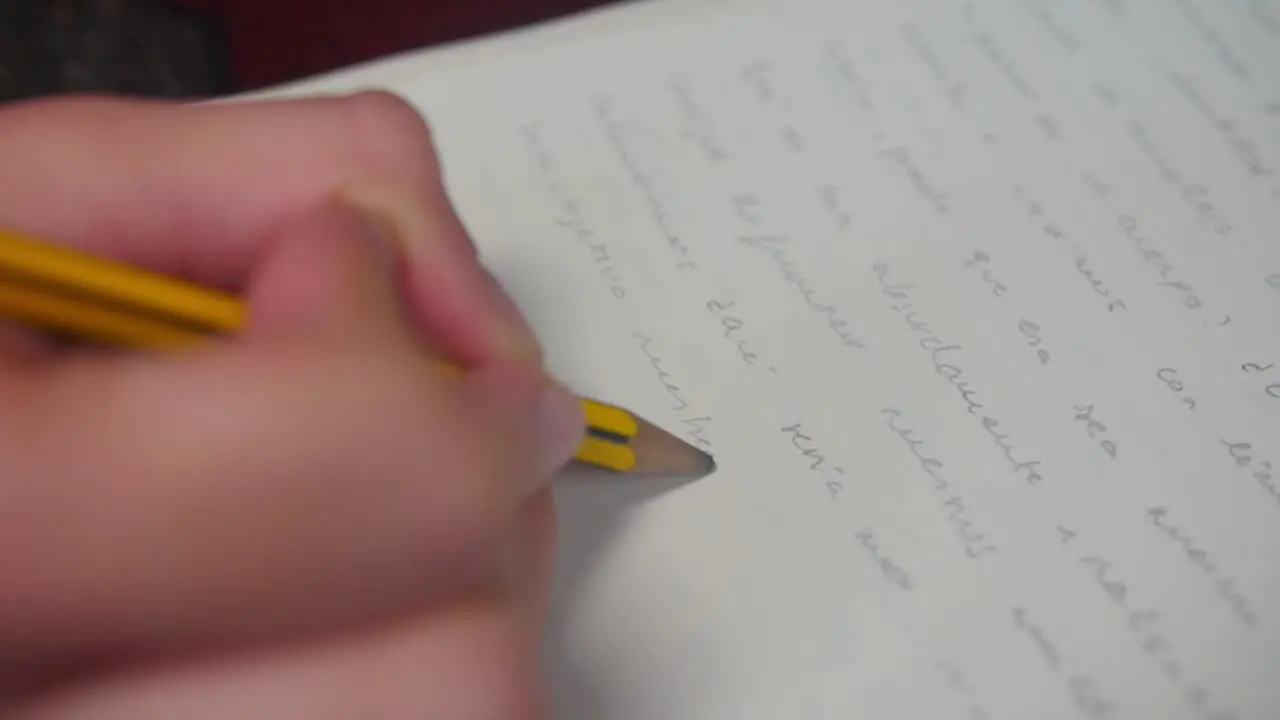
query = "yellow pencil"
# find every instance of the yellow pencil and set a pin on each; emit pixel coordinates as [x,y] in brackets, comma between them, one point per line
[63,290]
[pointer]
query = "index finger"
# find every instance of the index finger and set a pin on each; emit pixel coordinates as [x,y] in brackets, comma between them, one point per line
[195,190]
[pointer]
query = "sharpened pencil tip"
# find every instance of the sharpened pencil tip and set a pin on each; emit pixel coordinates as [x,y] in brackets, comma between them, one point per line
[658,452]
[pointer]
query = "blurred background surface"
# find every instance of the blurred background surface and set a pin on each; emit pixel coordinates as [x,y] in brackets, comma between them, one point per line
[207,48]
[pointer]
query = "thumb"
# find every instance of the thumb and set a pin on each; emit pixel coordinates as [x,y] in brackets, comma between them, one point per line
[331,276]
[319,469]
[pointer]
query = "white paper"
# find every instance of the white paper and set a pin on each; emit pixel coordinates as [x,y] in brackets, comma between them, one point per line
[977,306]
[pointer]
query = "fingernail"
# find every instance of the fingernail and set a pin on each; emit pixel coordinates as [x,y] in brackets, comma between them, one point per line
[520,339]
[560,427]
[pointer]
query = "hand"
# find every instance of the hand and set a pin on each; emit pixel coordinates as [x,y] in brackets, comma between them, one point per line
[310,519]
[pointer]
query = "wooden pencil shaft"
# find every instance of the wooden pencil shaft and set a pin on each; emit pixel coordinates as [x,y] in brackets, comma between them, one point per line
[62,290]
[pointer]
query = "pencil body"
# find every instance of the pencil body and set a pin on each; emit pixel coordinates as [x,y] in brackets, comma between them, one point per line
[67,292]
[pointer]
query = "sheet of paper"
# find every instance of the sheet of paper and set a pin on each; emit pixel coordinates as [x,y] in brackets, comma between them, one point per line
[978,307]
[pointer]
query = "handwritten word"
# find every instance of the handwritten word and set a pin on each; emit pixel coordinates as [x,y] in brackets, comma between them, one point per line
[758,76]
[1036,210]
[890,569]
[1050,127]
[847,71]
[1261,471]
[569,212]
[1226,587]
[1141,622]
[1159,262]
[1052,26]
[1100,188]
[955,90]
[697,425]
[1169,377]
[1082,267]
[731,326]
[939,351]
[1272,390]
[1244,149]
[1005,67]
[957,682]
[774,247]
[1031,331]
[695,429]
[829,197]
[614,128]
[1192,193]
[1265,15]
[1094,428]
[1052,230]
[832,474]
[1084,691]
[981,262]
[1106,94]
[920,184]
[975,542]
[1218,45]
[696,128]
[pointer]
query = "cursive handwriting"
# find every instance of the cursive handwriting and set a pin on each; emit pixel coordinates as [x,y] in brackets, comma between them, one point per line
[851,79]
[922,187]
[696,427]
[569,212]
[888,567]
[1214,40]
[939,353]
[1245,150]
[731,327]
[1099,288]
[758,75]
[1084,414]
[832,475]
[1083,689]
[775,247]
[915,40]
[696,127]
[976,544]
[1261,471]
[1142,624]
[1051,26]
[1040,217]
[1192,193]
[1031,332]
[1169,376]
[1158,261]
[1006,68]
[1272,390]
[614,127]
[1266,15]
[953,673]
[829,197]
[981,262]
[1240,606]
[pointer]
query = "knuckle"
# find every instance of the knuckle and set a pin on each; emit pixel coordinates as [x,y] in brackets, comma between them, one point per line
[388,130]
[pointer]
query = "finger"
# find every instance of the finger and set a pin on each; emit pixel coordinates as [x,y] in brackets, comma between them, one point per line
[321,471]
[533,557]
[195,190]
[470,661]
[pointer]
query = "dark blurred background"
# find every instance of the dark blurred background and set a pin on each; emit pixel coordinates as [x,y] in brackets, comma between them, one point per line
[205,48]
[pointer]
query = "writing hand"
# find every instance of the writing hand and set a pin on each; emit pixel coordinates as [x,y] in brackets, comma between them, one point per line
[310,520]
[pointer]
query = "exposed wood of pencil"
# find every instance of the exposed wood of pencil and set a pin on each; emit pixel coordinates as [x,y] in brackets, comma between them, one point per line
[658,452]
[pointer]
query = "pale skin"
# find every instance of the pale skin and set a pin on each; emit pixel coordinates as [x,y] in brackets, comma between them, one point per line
[308,520]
